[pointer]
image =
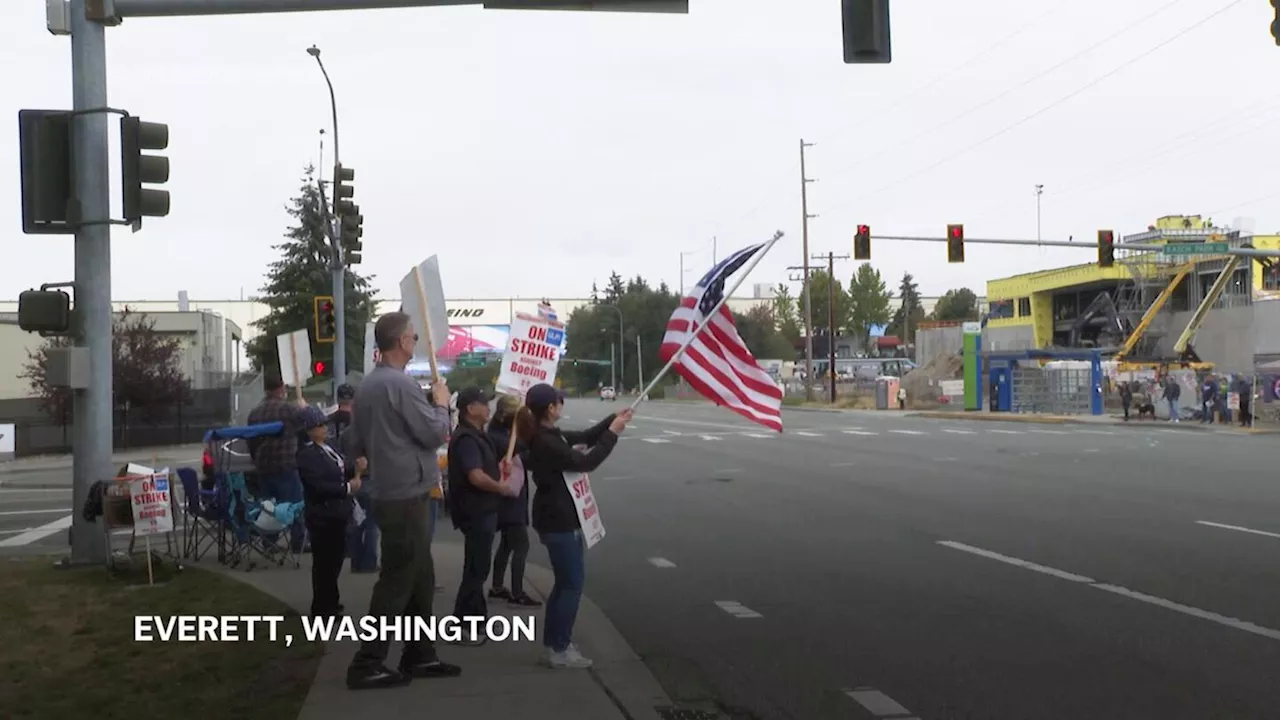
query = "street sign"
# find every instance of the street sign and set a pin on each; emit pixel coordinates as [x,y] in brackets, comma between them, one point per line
[470,361]
[1195,248]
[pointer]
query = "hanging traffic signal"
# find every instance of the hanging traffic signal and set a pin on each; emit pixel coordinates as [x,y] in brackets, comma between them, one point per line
[137,169]
[862,243]
[1275,24]
[864,26]
[326,320]
[318,368]
[350,221]
[955,243]
[1106,248]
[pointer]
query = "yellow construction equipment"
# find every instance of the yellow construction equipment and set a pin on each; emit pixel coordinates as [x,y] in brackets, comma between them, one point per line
[1152,311]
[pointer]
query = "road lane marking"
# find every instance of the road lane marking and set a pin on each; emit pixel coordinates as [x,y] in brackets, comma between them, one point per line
[655,441]
[676,421]
[958,432]
[39,533]
[802,433]
[671,432]
[858,432]
[1049,432]
[877,703]
[13,532]
[1016,562]
[34,490]
[1214,617]
[1237,528]
[619,477]
[907,432]
[49,511]
[1008,432]
[757,435]
[737,609]
[1092,450]
[661,562]
[710,437]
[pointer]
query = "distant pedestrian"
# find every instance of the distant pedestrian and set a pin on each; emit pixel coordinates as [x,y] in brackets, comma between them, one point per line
[275,457]
[902,398]
[475,489]
[513,513]
[399,432]
[1171,394]
[329,482]
[1246,401]
[1126,399]
[1208,400]
[555,515]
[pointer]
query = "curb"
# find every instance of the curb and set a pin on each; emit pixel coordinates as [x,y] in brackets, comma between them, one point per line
[1003,417]
[36,486]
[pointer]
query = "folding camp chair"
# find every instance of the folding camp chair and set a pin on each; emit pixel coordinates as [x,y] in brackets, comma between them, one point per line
[202,529]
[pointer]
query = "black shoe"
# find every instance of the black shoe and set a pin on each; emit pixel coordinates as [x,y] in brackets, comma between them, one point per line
[523,600]
[375,677]
[434,669]
[499,592]
[470,640]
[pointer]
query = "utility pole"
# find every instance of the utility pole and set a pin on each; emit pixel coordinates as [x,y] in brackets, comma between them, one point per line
[639,365]
[832,330]
[1039,192]
[808,304]
[613,369]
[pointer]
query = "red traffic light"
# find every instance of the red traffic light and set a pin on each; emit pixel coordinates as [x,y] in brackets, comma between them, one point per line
[326,307]
[864,229]
[319,368]
[956,231]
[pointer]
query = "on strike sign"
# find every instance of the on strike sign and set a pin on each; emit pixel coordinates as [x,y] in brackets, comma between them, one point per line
[585,502]
[532,354]
[151,505]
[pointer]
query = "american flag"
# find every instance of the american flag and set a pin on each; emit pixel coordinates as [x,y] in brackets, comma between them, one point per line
[716,362]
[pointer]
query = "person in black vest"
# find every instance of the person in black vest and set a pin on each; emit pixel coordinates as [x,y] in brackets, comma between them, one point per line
[475,490]
[513,513]
[328,483]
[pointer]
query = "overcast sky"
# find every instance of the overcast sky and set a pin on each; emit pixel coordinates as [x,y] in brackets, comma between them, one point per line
[537,151]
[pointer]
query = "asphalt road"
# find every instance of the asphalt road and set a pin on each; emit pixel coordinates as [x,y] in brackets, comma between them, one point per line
[875,565]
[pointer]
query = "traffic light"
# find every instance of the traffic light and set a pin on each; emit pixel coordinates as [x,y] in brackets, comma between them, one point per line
[137,169]
[955,243]
[350,221]
[862,243]
[865,29]
[318,368]
[326,320]
[1106,248]
[1275,24]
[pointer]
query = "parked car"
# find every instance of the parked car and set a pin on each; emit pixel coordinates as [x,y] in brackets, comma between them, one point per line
[608,393]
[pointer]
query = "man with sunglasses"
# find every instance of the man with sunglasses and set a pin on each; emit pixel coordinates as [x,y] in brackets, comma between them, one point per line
[399,432]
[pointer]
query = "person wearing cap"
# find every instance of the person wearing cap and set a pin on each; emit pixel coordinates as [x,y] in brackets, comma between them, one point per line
[475,490]
[329,481]
[551,454]
[399,432]
[340,420]
[513,512]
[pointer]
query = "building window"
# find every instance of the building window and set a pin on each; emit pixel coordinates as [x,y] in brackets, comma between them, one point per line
[1271,280]
[1001,309]
[1024,307]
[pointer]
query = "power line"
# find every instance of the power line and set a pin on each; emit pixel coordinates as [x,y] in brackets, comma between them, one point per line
[1009,91]
[1028,118]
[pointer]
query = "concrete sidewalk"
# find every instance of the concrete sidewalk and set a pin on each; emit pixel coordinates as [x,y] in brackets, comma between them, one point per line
[498,679]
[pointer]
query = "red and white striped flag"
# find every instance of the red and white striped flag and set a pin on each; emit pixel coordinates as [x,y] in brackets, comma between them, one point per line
[716,361]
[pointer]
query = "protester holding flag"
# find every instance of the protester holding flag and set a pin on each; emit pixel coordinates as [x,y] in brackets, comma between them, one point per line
[555,515]
[513,512]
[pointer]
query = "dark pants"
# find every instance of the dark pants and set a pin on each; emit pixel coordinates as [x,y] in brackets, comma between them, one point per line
[362,542]
[514,545]
[476,552]
[1206,409]
[1126,404]
[568,562]
[286,486]
[328,550]
[407,582]
[1245,417]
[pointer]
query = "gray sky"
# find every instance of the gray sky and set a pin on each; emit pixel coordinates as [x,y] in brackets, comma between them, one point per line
[535,152]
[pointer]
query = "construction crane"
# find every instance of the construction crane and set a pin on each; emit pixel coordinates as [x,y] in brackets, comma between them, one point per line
[1145,323]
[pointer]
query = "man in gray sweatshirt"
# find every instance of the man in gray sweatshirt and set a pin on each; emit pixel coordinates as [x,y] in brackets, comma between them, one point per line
[399,432]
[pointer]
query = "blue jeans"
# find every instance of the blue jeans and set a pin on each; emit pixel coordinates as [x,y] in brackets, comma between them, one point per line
[1173,409]
[433,517]
[286,486]
[363,542]
[568,561]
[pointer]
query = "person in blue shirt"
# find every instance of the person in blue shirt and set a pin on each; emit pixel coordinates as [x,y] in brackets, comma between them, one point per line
[329,482]
[513,513]
[475,490]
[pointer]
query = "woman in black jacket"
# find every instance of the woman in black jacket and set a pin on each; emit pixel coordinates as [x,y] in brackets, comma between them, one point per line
[329,482]
[550,455]
[513,513]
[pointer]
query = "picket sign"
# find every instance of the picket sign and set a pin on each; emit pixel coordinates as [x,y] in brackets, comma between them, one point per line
[294,351]
[532,355]
[588,511]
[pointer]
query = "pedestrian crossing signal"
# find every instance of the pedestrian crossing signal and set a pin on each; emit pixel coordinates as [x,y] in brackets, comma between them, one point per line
[955,243]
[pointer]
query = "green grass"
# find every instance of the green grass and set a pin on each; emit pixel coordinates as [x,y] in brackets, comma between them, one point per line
[68,649]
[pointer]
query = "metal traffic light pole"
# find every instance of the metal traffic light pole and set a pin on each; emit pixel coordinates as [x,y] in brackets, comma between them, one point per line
[337,267]
[1084,245]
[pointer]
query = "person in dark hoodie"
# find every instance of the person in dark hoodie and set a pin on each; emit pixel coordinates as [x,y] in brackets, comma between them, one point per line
[551,454]
[513,513]
[329,482]
[475,490]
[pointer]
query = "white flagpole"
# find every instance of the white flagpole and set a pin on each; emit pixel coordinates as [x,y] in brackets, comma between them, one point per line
[724,297]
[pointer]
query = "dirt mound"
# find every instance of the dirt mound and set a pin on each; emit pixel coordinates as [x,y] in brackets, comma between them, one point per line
[922,383]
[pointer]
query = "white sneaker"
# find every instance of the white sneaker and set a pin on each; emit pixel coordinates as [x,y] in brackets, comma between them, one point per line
[569,658]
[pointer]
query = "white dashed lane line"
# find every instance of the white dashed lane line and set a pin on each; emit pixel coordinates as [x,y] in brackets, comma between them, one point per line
[710,437]
[958,432]
[661,562]
[907,432]
[802,433]
[858,432]
[737,609]
[656,441]
[879,704]
[1237,528]
[1213,617]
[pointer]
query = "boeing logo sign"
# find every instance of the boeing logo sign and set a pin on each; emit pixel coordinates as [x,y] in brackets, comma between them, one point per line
[464,312]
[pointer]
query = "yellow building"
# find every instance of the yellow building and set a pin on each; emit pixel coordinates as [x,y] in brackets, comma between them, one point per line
[1039,309]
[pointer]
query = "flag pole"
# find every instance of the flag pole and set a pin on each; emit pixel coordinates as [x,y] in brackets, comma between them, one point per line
[742,276]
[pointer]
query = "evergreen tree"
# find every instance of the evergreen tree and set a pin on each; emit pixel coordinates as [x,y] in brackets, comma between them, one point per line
[870,302]
[784,311]
[907,318]
[301,273]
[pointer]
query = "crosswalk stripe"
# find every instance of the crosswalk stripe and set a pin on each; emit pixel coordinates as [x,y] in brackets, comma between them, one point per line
[655,441]
[807,434]
[858,432]
[709,437]
[958,432]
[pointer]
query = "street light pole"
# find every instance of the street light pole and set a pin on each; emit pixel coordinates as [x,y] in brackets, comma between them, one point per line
[1039,192]
[336,267]
[622,349]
